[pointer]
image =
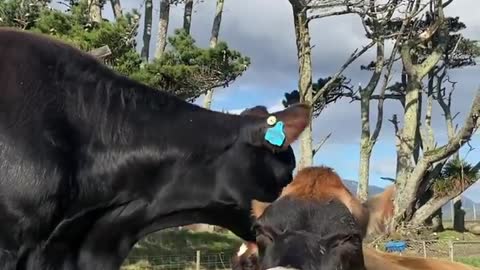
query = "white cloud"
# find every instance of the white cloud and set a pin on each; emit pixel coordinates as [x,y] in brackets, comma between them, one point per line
[385,167]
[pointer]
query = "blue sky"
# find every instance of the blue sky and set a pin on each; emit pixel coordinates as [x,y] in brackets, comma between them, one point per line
[263,30]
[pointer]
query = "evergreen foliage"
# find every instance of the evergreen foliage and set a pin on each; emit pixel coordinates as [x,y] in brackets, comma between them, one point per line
[185,70]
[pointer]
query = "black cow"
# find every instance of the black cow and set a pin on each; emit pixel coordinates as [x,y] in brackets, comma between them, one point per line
[91,161]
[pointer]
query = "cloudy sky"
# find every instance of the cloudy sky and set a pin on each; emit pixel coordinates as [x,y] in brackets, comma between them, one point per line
[263,30]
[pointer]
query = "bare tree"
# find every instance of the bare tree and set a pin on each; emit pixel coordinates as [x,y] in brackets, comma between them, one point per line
[302,34]
[304,11]
[408,137]
[422,40]
[413,169]
[162,27]
[147,30]
[117,8]
[375,22]
[438,198]
[187,15]
[207,103]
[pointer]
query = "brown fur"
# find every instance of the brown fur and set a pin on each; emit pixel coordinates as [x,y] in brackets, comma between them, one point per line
[322,183]
[376,260]
[258,208]
[380,209]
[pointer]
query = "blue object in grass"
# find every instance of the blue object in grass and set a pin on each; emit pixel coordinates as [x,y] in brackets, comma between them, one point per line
[275,135]
[395,246]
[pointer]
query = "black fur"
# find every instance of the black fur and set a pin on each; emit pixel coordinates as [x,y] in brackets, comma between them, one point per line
[309,235]
[91,161]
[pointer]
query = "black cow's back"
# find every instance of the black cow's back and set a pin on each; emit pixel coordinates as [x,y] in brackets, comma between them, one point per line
[91,161]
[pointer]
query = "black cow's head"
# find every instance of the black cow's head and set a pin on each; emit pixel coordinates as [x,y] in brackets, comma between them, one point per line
[256,164]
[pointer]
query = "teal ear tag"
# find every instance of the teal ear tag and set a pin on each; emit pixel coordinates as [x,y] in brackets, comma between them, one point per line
[275,134]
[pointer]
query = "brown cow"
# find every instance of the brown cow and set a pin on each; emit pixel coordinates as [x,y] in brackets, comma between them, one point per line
[316,198]
[322,184]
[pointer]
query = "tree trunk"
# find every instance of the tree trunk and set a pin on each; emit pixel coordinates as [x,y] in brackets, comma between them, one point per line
[147,30]
[363,176]
[306,155]
[367,141]
[162,28]
[428,209]
[216,24]
[458,215]
[365,148]
[304,57]
[95,11]
[434,204]
[187,15]
[437,221]
[405,165]
[207,103]
[410,173]
[117,8]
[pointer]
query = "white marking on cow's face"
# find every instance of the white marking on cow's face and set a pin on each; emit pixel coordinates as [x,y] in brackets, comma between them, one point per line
[243,249]
[282,268]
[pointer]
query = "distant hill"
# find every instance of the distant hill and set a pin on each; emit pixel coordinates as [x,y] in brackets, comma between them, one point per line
[447,211]
[352,186]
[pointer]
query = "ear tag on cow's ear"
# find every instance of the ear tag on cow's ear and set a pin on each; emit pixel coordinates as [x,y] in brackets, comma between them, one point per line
[275,134]
[271,120]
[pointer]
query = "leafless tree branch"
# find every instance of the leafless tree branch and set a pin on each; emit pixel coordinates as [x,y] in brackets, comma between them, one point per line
[469,126]
[356,54]
[321,143]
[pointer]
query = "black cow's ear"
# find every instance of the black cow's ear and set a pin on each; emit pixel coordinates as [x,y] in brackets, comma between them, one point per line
[260,111]
[278,129]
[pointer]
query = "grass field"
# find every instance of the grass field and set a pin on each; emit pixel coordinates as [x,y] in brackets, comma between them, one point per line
[470,261]
[175,250]
[181,242]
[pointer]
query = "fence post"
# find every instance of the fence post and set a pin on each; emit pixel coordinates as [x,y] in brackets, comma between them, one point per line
[197,265]
[424,249]
[450,245]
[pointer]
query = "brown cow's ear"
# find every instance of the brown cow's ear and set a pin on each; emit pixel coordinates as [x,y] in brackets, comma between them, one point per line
[279,129]
[258,208]
[380,209]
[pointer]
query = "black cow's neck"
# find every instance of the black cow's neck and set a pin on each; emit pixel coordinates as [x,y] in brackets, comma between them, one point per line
[114,110]
[129,133]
